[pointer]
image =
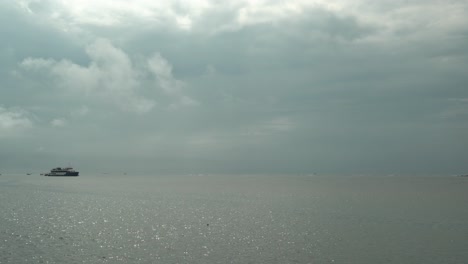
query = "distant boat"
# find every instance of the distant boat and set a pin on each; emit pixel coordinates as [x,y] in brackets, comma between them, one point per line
[28,173]
[67,171]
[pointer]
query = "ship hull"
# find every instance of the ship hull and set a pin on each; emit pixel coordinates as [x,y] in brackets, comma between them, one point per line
[72,174]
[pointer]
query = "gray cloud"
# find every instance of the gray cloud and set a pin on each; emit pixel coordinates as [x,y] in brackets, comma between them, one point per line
[301,86]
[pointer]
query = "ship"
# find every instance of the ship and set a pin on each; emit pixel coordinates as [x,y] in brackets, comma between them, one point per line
[67,171]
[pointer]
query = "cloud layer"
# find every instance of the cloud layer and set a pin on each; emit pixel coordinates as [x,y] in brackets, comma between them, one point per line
[240,86]
[112,77]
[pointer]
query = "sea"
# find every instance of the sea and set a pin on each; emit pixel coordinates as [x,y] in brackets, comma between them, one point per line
[117,218]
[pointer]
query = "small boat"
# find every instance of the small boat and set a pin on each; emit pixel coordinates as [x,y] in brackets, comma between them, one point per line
[67,171]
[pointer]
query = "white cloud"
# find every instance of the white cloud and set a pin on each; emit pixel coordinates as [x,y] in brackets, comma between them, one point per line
[37,64]
[184,22]
[110,76]
[386,24]
[162,70]
[73,14]
[391,17]
[58,122]
[12,121]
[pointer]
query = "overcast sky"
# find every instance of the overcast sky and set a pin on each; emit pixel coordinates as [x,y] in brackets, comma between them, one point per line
[204,86]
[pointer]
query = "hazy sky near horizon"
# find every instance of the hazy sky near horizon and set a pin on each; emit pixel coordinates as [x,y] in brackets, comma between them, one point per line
[336,86]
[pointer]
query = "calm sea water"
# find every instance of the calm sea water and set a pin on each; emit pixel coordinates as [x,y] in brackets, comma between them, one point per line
[233,219]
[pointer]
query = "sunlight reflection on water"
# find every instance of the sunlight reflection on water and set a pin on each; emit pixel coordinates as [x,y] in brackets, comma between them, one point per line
[232,219]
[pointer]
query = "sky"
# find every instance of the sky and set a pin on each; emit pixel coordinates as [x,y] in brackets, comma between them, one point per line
[204,86]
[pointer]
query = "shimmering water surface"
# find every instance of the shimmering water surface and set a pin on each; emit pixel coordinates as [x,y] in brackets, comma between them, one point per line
[233,219]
